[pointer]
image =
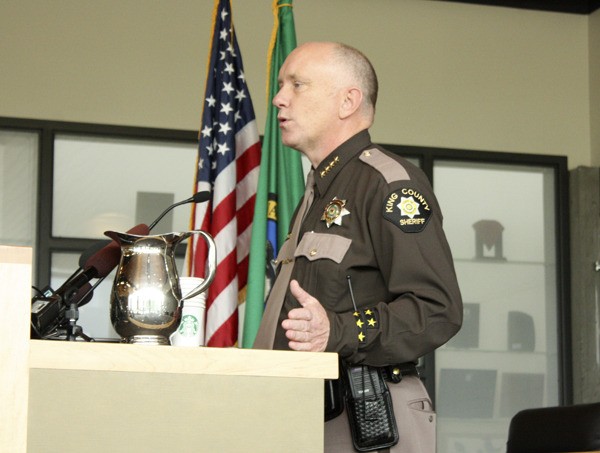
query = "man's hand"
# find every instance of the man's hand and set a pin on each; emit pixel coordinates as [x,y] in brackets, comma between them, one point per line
[307,328]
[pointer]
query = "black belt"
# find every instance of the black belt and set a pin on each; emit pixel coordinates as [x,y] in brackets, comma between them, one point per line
[395,373]
[334,393]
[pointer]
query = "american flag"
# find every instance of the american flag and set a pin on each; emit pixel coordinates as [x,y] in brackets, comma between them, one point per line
[228,166]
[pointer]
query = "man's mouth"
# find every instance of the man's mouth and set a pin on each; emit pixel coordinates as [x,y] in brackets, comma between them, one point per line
[282,121]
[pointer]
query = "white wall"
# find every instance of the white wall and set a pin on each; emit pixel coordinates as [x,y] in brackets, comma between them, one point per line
[452,75]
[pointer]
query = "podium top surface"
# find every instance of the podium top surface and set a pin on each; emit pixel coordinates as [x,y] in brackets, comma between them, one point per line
[79,355]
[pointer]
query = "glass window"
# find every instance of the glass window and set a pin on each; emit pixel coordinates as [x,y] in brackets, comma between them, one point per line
[113,184]
[500,222]
[106,183]
[18,187]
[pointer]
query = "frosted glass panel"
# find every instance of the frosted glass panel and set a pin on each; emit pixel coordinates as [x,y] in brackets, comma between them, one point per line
[18,187]
[514,198]
[108,184]
[500,221]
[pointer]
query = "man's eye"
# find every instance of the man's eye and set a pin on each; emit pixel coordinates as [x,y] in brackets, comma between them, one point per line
[297,84]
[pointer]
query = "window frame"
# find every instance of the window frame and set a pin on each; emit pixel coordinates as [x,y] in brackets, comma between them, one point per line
[46,244]
[427,156]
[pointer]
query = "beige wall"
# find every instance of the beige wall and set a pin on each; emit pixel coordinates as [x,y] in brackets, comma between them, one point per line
[452,75]
[594,43]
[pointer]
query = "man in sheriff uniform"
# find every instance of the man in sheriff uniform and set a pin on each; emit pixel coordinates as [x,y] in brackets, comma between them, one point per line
[372,276]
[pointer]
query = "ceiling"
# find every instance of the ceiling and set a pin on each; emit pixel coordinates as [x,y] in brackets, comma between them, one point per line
[563,6]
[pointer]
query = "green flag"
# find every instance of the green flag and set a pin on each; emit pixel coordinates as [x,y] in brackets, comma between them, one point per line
[280,182]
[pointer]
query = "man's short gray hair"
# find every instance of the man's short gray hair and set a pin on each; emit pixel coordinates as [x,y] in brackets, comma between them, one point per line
[362,70]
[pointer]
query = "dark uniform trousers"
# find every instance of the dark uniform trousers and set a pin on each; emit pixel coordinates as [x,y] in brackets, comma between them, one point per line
[415,418]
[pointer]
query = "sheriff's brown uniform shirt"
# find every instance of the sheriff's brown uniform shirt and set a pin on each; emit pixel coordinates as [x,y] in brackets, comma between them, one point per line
[375,225]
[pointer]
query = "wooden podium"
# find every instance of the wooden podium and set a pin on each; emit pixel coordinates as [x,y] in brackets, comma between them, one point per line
[100,397]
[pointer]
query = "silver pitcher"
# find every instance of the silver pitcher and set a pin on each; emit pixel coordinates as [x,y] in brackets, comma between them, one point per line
[145,300]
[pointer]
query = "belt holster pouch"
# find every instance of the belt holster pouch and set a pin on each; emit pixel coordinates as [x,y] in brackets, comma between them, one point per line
[369,406]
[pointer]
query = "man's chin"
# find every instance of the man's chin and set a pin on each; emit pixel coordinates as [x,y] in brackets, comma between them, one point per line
[287,142]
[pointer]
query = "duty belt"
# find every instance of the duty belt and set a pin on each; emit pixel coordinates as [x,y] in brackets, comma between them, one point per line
[395,373]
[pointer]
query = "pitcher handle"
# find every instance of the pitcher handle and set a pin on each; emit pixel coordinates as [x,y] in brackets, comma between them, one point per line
[211,263]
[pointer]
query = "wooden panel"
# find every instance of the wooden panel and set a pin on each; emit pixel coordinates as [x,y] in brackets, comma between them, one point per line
[97,412]
[99,397]
[15,299]
[180,360]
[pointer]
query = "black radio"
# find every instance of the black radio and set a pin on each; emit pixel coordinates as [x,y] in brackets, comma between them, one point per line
[369,408]
[365,381]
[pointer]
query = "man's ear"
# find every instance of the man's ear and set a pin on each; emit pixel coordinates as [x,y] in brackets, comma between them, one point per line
[351,102]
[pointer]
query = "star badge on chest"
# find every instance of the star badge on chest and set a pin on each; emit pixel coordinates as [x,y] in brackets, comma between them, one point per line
[334,212]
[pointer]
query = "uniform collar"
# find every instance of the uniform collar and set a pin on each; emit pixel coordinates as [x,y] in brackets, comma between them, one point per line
[328,169]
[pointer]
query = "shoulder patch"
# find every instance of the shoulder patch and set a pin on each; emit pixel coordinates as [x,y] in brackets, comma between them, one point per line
[389,168]
[408,209]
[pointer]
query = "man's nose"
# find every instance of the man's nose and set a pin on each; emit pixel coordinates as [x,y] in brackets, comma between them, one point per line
[278,99]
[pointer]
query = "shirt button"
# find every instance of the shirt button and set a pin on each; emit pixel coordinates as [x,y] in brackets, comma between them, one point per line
[313,252]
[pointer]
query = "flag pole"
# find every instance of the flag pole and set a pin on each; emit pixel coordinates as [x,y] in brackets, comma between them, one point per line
[281,181]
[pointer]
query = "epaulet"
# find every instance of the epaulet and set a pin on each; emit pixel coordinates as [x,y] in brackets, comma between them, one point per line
[389,168]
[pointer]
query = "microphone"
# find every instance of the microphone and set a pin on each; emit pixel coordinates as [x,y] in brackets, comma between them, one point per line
[198,197]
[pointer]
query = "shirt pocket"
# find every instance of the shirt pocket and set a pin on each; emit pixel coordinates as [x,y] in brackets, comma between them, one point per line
[317,246]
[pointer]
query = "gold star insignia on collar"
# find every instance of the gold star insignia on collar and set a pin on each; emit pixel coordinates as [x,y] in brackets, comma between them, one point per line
[334,211]
[330,165]
[372,322]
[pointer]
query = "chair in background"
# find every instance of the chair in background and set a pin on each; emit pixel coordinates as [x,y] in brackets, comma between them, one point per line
[555,430]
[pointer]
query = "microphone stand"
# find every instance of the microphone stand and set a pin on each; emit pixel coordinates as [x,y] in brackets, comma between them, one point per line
[72,315]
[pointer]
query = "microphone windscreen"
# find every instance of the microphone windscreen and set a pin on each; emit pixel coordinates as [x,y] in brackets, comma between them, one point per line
[104,260]
[87,253]
[200,197]
[140,230]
